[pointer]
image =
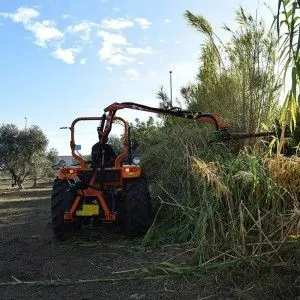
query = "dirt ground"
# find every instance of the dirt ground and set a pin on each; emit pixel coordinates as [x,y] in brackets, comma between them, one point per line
[96,264]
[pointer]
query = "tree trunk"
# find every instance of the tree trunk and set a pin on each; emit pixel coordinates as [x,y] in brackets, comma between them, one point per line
[16,180]
[19,183]
[34,181]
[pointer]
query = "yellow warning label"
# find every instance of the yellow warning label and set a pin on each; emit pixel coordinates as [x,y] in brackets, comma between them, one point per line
[88,210]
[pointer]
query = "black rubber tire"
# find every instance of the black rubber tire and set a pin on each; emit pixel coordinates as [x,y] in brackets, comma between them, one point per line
[138,210]
[61,200]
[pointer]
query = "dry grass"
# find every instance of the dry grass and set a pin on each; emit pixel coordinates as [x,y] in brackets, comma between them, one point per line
[285,171]
[235,208]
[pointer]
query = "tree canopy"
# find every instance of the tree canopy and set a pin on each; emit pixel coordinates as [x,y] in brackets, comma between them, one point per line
[23,153]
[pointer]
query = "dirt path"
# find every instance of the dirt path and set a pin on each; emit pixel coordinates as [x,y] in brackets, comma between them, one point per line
[30,254]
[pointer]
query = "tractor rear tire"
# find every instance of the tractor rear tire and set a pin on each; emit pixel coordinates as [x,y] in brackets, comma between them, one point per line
[138,209]
[61,201]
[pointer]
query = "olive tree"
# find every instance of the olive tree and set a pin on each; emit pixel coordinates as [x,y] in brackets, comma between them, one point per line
[23,153]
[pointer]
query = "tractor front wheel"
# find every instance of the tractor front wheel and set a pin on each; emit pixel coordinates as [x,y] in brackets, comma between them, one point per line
[61,201]
[138,211]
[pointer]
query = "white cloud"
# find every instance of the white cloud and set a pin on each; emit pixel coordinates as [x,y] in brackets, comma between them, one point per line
[167,20]
[132,74]
[83,28]
[66,55]
[116,24]
[137,50]
[112,48]
[116,9]
[177,42]
[113,38]
[44,32]
[66,16]
[116,50]
[23,15]
[83,61]
[109,69]
[161,41]
[143,22]
[118,59]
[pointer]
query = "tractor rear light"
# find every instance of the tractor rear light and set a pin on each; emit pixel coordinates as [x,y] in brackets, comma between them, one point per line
[131,171]
[67,173]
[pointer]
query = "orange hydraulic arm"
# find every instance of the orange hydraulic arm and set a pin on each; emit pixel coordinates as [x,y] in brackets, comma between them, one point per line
[175,112]
[221,127]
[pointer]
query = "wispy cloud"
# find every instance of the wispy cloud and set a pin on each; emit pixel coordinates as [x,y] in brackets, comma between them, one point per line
[115,49]
[116,9]
[66,16]
[22,15]
[112,48]
[137,50]
[143,22]
[167,20]
[116,24]
[132,74]
[44,31]
[83,28]
[83,61]
[66,55]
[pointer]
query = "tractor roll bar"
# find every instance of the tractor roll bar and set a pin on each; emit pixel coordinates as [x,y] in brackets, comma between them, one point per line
[119,159]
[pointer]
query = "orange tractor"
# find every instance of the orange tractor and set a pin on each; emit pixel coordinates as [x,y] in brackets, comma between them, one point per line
[119,193]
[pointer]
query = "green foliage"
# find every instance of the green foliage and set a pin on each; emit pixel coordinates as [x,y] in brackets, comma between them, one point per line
[223,205]
[244,88]
[229,208]
[116,143]
[41,163]
[288,26]
[144,133]
[23,153]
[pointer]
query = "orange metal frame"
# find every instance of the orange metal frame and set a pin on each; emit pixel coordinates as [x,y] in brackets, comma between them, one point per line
[108,215]
[80,159]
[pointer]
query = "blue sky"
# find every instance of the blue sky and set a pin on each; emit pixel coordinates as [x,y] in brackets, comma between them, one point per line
[61,59]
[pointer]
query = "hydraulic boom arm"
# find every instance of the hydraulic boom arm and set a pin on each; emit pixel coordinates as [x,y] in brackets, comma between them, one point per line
[204,117]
